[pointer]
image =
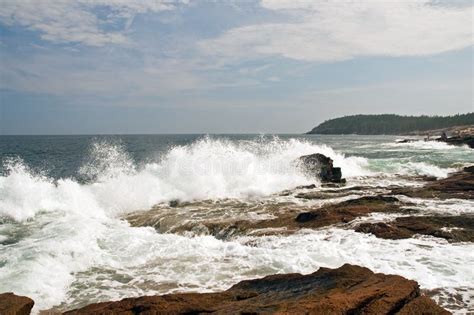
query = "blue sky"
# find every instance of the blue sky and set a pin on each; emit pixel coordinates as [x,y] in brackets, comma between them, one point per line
[130,66]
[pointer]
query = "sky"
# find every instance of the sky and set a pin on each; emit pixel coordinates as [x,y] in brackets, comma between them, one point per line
[136,66]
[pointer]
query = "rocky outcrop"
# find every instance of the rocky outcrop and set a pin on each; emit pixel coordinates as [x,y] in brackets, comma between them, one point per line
[346,290]
[451,228]
[347,211]
[289,218]
[11,304]
[321,167]
[459,140]
[458,185]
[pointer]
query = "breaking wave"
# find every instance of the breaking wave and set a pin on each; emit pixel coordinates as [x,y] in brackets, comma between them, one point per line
[55,231]
[206,169]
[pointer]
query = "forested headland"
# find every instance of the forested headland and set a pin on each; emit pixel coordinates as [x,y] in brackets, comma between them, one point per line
[390,124]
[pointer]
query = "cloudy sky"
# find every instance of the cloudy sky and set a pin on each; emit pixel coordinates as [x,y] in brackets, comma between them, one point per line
[135,66]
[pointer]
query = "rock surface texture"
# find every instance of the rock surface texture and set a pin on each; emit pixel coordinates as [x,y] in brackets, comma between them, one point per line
[11,304]
[458,185]
[346,290]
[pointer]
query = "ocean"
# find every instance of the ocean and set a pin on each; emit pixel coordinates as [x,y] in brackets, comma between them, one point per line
[66,201]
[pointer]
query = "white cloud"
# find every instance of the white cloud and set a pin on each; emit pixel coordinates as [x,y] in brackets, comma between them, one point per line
[340,30]
[76,21]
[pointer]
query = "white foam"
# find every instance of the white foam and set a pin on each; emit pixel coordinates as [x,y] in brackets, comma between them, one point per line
[69,228]
[446,207]
[148,260]
[393,167]
[424,145]
[422,168]
[206,169]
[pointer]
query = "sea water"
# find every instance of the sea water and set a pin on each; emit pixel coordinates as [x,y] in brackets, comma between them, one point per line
[65,242]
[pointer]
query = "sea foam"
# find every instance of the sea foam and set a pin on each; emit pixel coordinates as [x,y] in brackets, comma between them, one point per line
[61,236]
[206,169]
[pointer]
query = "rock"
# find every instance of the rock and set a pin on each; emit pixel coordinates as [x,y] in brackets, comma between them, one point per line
[459,140]
[346,290]
[11,304]
[174,203]
[312,186]
[285,218]
[347,211]
[451,228]
[406,140]
[307,216]
[321,167]
[457,185]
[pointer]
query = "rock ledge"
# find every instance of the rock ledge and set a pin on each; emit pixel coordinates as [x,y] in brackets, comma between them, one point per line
[346,290]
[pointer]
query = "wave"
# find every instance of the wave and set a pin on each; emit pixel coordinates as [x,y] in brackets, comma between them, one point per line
[206,169]
[58,228]
[424,145]
[409,166]
[59,231]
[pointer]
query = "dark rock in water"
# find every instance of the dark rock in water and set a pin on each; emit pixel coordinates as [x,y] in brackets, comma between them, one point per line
[451,228]
[174,203]
[322,167]
[312,186]
[306,217]
[469,169]
[459,140]
[405,140]
[11,304]
[346,290]
[370,199]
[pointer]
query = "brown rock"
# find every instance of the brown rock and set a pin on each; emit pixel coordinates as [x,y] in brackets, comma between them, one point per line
[347,211]
[287,219]
[422,305]
[345,290]
[457,185]
[451,228]
[11,304]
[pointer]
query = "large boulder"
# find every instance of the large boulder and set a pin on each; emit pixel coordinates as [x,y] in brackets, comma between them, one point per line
[346,290]
[321,166]
[11,304]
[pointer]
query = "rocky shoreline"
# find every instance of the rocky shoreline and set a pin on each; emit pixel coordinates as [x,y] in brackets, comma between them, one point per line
[346,290]
[349,289]
[459,135]
[454,228]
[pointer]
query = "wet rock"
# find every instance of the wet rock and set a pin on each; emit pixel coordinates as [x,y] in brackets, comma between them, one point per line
[11,304]
[406,140]
[458,185]
[307,216]
[346,290]
[288,219]
[174,203]
[322,167]
[347,211]
[460,140]
[312,186]
[451,228]
[321,195]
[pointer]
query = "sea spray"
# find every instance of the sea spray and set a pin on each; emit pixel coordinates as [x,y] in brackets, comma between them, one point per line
[63,239]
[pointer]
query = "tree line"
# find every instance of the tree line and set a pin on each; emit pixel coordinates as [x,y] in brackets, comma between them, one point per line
[390,124]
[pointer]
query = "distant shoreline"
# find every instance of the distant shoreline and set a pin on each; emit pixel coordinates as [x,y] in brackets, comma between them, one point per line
[390,124]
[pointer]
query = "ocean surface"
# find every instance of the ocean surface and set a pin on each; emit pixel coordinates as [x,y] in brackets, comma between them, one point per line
[64,202]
